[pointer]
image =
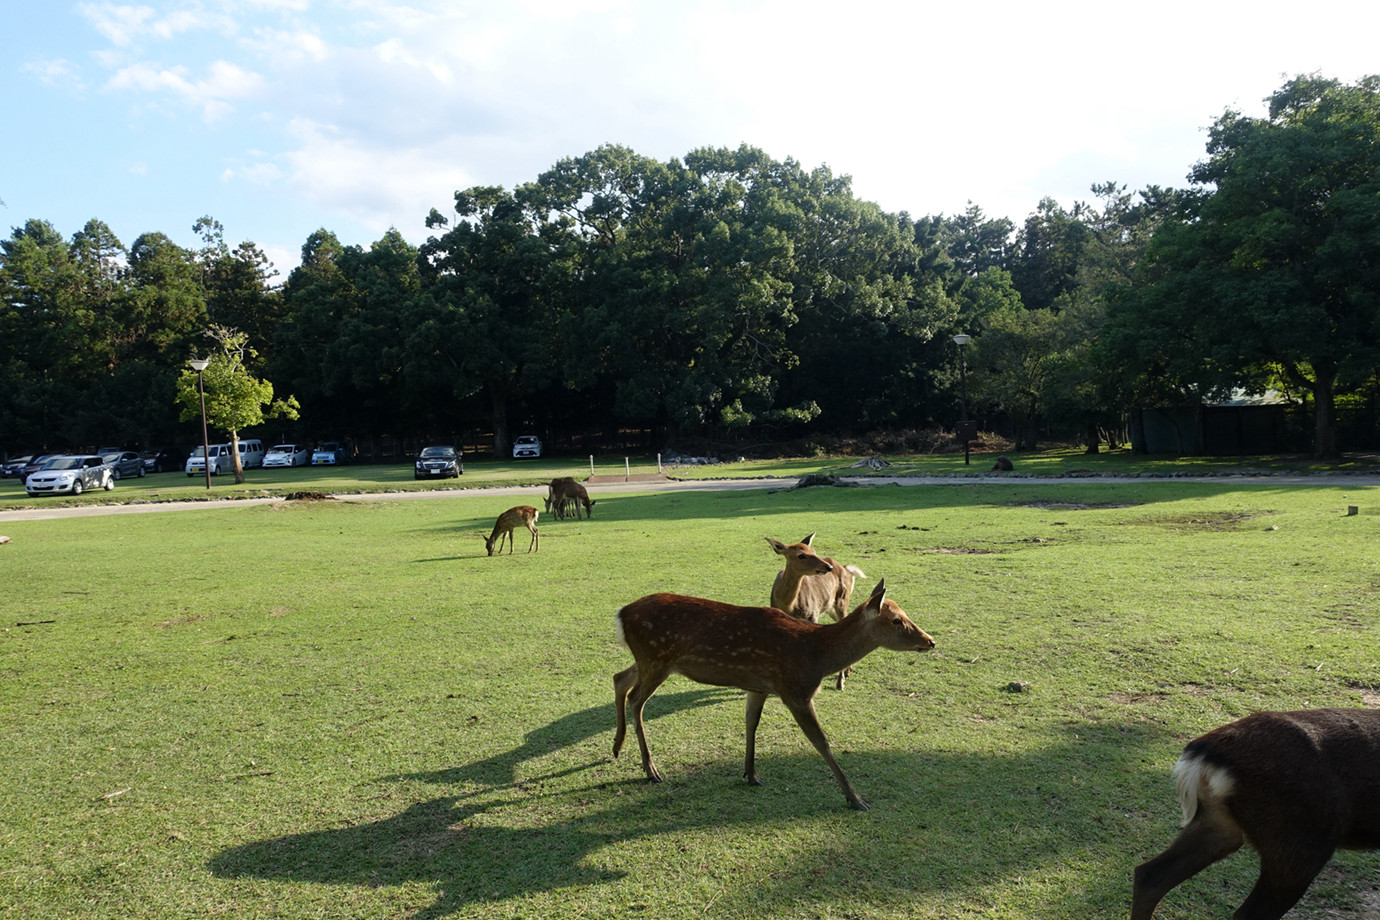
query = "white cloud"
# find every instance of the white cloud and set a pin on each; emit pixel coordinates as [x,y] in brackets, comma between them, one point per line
[288,49]
[213,94]
[121,25]
[379,187]
[54,72]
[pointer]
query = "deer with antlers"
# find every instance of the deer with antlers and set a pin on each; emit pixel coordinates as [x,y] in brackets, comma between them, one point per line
[757,649]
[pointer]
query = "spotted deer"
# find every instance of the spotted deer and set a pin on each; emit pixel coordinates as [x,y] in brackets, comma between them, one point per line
[760,650]
[1294,786]
[811,585]
[521,516]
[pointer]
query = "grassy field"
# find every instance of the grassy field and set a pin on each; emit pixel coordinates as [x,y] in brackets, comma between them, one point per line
[346,709]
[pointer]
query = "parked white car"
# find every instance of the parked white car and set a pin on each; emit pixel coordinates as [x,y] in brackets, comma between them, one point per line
[219,461]
[527,446]
[74,474]
[287,455]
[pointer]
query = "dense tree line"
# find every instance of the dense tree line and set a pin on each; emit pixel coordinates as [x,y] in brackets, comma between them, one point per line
[731,297]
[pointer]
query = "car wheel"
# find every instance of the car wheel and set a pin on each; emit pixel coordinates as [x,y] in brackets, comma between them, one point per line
[116,474]
[76,487]
[141,472]
[109,484]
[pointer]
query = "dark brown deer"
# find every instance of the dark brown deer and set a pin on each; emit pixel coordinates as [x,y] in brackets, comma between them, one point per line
[811,585]
[757,649]
[521,516]
[1294,786]
[565,491]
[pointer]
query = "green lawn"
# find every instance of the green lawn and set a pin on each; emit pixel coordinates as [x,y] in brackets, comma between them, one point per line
[346,709]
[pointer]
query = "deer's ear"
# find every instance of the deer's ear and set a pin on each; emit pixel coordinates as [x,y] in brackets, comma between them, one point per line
[878,595]
[776,545]
[808,540]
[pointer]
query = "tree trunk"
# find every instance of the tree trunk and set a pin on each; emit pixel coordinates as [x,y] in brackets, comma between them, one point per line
[1092,437]
[235,463]
[1325,428]
[502,440]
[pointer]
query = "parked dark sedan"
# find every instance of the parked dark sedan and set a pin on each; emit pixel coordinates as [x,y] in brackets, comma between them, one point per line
[124,463]
[34,465]
[439,463]
[164,459]
[12,466]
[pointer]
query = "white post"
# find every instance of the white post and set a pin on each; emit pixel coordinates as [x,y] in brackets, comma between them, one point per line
[627,470]
[658,464]
[591,464]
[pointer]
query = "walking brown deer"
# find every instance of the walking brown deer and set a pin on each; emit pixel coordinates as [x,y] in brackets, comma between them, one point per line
[811,585]
[522,515]
[757,649]
[1294,786]
[564,491]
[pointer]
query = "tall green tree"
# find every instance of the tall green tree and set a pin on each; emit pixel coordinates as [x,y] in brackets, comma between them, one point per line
[1269,269]
[487,321]
[235,398]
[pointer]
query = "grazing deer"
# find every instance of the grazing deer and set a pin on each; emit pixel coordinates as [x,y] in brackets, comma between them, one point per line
[1295,786]
[757,649]
[811,585]
[524,515]
[564,491]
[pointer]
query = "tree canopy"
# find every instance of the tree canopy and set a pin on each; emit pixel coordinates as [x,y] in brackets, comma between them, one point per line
[730,297]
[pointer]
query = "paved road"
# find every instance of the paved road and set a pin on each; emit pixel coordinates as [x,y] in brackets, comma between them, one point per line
[1335,480]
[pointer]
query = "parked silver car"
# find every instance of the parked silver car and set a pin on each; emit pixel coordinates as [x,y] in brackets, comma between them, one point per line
[124,463]
[75,475]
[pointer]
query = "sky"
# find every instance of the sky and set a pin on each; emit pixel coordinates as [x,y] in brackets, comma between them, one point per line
[281,117]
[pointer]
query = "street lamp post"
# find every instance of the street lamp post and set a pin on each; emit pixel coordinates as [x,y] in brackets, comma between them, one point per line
[965,427]
[199,365]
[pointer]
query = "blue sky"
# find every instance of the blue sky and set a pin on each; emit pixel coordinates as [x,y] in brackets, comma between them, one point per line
[277,117]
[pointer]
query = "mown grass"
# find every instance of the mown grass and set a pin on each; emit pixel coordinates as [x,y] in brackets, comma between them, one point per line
[347,709]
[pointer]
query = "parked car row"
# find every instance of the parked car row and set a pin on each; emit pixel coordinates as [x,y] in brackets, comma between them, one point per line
[436,462]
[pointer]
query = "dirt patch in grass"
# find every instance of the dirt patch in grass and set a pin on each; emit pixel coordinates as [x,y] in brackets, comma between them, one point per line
[1135,699]
[308,497]
[1210,521]
[1072,506]
[1370,694]
[180,621]
[959,551]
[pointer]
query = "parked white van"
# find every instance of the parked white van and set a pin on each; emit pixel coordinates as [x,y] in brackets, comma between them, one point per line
[251,453]
[221,459]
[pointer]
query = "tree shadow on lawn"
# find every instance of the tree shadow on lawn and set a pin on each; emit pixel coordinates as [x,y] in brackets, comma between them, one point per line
[638,507]
[930,832]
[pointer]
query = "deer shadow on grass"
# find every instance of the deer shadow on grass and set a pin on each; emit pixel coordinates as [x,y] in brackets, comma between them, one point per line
[932,812]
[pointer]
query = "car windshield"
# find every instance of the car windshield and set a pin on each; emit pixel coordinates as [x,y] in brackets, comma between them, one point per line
[63,463]
[282,449]
[437,453]
[527,439]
